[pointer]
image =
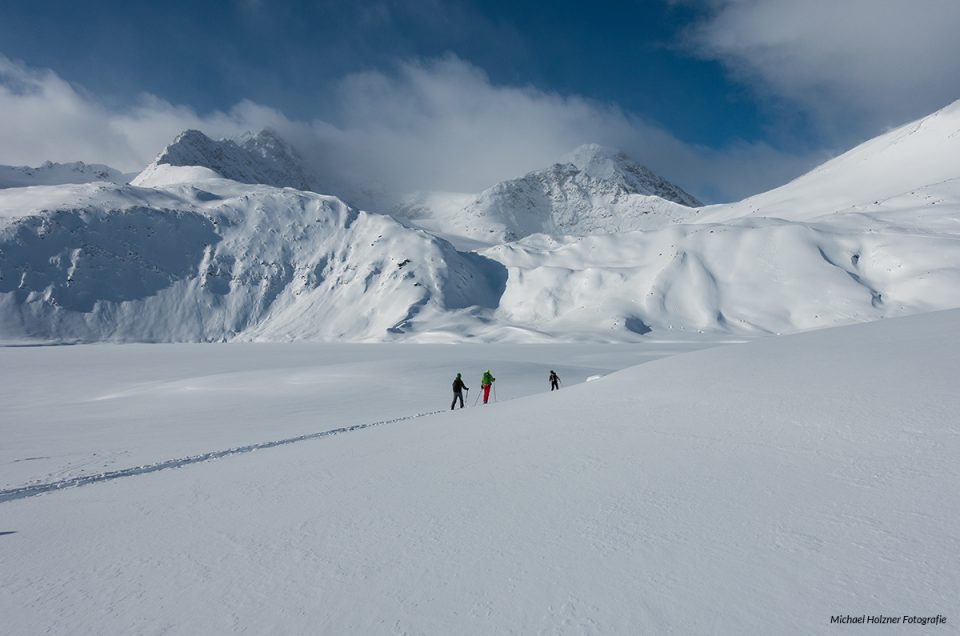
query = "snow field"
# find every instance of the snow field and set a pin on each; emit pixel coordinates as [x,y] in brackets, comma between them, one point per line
[758,488]
[120,407]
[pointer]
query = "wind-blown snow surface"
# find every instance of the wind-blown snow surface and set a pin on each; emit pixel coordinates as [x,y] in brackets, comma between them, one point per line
[757,488]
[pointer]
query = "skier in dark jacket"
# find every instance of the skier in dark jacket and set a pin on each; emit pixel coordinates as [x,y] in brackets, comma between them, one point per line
[458,387]
[554,380]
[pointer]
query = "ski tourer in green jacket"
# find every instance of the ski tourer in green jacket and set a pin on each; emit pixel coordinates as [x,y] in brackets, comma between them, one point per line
[485,382]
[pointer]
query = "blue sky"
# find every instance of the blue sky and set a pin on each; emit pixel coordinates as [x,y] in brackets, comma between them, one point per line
[726,97]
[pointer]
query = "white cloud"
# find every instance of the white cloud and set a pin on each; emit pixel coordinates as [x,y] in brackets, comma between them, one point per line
[46,118]
[443,124]
[854,66]
[439,124]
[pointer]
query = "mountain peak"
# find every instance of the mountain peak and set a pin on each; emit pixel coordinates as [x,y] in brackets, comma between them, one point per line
[594,160]
[191,136]
[593,190]
[264,157]
[615,168]
[189,148]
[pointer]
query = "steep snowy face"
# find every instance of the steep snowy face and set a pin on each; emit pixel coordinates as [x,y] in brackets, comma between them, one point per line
[58,174]
[594,190]
[870,177]
[263,158]
[221,261]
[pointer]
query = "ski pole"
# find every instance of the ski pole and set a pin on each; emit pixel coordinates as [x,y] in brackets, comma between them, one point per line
[477,401]
[494,392]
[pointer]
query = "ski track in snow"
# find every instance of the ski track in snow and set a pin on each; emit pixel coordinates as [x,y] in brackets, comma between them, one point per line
[38,489]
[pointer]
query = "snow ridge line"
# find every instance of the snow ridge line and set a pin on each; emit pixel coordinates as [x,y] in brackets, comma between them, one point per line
[38,489]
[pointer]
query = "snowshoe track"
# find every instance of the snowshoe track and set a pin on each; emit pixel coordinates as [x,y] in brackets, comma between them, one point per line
[38,489]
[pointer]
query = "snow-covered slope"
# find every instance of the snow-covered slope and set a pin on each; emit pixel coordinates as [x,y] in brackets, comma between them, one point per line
[876,175]
[57,174]
[217,260]
[752,489]
[264,158]
[762,275]
[594,190]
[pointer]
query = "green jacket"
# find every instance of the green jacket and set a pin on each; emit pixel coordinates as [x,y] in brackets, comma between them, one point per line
[487,378]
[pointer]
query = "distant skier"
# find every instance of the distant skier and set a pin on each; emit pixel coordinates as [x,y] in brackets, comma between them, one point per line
[554,380]
[458,387]
[485,383]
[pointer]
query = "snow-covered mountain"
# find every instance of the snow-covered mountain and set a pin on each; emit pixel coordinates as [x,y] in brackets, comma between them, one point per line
[50,173]
[264,158]
[593,190]
[217,260]
[186,254]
